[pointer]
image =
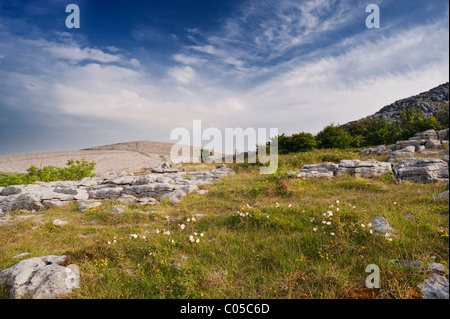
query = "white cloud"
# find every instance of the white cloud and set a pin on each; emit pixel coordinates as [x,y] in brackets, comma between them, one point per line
[182,74]
[79,54]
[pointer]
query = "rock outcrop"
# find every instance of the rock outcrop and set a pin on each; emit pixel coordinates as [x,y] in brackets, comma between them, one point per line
[173,185]
[427,102]
[422,170]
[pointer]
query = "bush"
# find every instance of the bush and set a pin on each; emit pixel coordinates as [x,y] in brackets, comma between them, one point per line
[371,132]
[300,142]
[411,121]
[442,115]
[334,137]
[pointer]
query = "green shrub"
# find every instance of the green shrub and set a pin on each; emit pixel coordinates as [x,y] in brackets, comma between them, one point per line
[300,142]
[333,136]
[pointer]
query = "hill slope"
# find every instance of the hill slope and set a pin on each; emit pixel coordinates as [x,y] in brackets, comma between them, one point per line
[426,101]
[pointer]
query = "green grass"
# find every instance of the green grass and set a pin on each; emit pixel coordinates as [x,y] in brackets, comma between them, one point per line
[268,250]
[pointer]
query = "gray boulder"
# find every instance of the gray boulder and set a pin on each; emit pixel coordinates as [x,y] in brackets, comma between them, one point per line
[380,225]
[174,196]
[443,135]
[40,278]
[444,195]
[407,151]
[422,170]
[435,287]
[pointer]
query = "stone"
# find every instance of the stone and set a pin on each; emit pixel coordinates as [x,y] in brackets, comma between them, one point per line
[363,169]
[40,278]
[326,169]
[59,222]
[174,196]
[422,170]
[443,135]
[433,144]
[427,135]
[149,190]
[11,190]
[380,225]
[106,193]
[402,144]
[408,151]
[435,287]
[146,201]
[118,209]
[444,195]
[88,206]
[126,199]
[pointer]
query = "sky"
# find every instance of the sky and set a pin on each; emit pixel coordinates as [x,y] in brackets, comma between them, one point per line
[136,70]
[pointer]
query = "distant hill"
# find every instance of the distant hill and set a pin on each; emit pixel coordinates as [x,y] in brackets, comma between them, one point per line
[427,102]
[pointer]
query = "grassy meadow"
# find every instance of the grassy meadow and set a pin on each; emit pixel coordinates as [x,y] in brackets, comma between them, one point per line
[250,236]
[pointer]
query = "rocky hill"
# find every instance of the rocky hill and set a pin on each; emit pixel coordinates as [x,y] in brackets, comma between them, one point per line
[426,101]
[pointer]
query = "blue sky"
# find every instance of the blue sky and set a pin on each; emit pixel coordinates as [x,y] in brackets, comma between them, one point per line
[135,70]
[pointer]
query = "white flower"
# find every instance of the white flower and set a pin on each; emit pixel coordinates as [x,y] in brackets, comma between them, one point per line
[395,203]
[277,205]
[362,225]
[109,243]
[324,214]
[328,223]
[167,217]
[195,233]
[134,235]
[354,207]
[197,240]
[337,209]
[193,219]
[330,213]
[369,225]
[324,221]
[114,241]
[173,241]
[188,220]
[315,229]
[191,238]
[311,220]
[157,230]
[390,239]
[332,234]
[143,237]
[167,232]
[290,205]
[201,234]
[337,201]
[371,231]
[387,235]
[182,226]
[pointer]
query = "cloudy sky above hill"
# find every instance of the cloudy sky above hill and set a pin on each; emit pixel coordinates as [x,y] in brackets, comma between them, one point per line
[135,70]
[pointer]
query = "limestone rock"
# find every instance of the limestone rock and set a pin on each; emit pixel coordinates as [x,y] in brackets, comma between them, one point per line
[40,278]
[326,169]
[363,168]
[422,170]
[444,195]
[433,144]
[435,287]
[380,225]
[88,206]
[408,151]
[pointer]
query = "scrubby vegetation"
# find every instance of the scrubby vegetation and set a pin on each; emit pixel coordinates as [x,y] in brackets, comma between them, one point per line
[74,170]
[366,132]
